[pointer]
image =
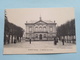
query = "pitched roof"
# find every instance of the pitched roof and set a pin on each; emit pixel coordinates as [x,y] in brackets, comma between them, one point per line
[46,21]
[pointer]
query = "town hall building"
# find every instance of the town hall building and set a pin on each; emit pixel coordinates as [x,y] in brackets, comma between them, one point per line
[41,30]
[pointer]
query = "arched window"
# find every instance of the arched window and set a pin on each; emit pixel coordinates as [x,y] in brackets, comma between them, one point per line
[36,28]
[30,29]
[40,28]
[44,28]
[51,28]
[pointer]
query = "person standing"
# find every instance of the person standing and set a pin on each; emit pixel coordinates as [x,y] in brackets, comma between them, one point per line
[62,41]
[30,41]
[55,41]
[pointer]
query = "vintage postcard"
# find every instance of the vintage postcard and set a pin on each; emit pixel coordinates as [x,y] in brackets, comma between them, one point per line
[39,31]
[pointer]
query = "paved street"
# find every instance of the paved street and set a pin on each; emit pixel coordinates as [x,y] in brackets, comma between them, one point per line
[39,44]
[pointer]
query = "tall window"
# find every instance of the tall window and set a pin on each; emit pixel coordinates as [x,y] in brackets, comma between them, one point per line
[44,28]
[36,28]
[51,29]
[40,28]
[30,29]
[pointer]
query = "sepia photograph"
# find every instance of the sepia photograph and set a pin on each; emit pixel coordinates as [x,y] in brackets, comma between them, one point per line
[39,31]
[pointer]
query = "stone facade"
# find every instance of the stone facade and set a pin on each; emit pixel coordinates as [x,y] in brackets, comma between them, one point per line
[41,30]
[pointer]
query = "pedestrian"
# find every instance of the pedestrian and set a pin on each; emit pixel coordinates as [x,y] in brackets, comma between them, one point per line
[55,41]
[30,41]
[62,41]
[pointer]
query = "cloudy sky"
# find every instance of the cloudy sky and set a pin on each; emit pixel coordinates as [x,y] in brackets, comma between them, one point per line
[20,16]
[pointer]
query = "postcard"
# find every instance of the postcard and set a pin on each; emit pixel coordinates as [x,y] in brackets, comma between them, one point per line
[39,31]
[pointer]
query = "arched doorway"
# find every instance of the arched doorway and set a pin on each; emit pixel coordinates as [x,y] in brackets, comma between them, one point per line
[40,36]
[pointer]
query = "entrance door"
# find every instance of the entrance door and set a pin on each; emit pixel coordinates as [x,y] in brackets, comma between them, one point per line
[40,36]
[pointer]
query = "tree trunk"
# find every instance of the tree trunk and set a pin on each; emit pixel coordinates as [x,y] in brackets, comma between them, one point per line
[17,38]
[70,39]
[8,39]
[5,39]
[64,38]
[67,39]
[12,39]
[73,40]
[20,39]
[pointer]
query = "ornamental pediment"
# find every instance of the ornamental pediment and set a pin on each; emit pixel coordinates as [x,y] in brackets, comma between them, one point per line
[40,22]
